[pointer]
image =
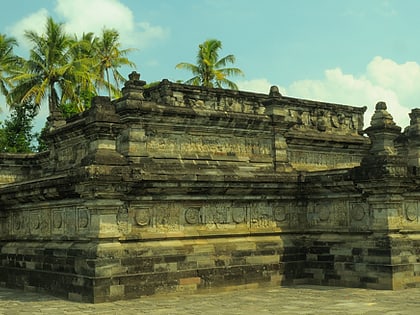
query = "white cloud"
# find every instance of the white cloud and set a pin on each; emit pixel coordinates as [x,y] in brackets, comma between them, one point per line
[81,16]
[78,18]
[34,22]
[384,80]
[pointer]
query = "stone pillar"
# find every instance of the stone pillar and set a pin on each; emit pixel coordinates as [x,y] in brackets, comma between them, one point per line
[413,135]
[132,141]
[102,125]
[278,115]
[381,172]
[381,179]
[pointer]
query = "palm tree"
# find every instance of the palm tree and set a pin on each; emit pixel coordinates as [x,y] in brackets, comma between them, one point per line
[85,76]
[110,58]
[48,73]
[209,70]
[9,62]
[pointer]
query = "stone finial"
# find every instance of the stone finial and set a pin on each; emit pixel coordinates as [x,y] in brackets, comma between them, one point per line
[382,131]
[134,87]
[274,91]
[414,116]
[381,118]
[134,76]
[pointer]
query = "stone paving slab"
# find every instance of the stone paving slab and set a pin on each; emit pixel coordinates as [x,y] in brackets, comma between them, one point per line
[300,300]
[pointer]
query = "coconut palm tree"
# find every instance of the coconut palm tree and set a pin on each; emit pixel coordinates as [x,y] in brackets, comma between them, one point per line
[210,71]
[85,76]
[110,57]
[48,72]
[9,62]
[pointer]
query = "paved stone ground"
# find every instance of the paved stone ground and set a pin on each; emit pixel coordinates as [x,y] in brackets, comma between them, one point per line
[300,300]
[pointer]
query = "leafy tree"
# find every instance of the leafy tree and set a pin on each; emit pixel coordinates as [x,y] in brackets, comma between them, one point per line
[83,58]
[110,57]
[9,62]
[210,71]
[50,72]
[16,132]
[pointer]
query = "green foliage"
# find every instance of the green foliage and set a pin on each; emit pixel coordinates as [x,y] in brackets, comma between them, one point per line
[67,71]
[9,62]
[152,84]
[109,58]
[210,71]
[16,132]
[84,101]
[40,137]
[64,71]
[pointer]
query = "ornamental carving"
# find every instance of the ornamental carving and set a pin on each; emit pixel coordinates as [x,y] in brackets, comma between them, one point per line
[83,218]
[192,215]
[411,211]
[323,211]
[358,211]
[35,222]
[142,217]
[280,213]
[261,216]
[18,222]
[239,214]
[57,219]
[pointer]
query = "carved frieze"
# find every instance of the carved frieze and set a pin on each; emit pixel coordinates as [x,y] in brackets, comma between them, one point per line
[327,213]
[191,144]
[47,221]
[215,215]
[326,120]
[322,159]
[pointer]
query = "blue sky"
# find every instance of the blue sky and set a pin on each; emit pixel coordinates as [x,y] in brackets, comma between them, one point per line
[351,52]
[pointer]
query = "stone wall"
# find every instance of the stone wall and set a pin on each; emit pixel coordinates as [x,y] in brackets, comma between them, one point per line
[181,188]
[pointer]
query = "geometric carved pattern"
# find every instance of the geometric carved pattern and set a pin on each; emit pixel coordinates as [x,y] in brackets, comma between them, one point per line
[280,213]
[192,215]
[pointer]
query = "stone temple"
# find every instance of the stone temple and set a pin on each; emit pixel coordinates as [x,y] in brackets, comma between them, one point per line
[177,188]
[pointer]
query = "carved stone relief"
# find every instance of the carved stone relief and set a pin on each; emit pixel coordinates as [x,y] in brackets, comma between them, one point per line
[411,211]
[359,215]
[123,220]
[215,215]
[192,216]
[190,144]
[57,220]
[330,159]
[327,213]
[142,217]
[239,214]
[83,218]
[324,120]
